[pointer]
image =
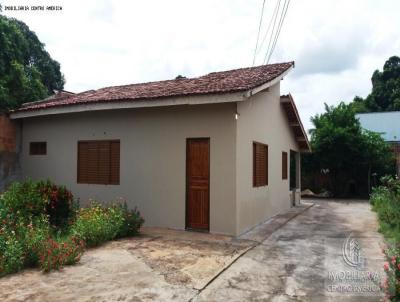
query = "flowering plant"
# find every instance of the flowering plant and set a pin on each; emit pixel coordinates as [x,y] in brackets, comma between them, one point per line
[391,284]
[55,254]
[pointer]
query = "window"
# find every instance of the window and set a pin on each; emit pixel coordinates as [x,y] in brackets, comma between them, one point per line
[38,148]
[260,165]
[284,165]
[98,162]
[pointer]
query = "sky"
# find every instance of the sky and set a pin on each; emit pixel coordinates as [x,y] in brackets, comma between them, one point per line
[336,44]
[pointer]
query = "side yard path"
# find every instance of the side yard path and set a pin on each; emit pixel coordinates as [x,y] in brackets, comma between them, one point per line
[280,260]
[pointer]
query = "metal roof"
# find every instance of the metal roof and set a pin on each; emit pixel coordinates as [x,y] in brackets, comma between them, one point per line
[385,123]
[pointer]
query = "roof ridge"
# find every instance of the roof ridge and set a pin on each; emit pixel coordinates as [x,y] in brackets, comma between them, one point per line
[248,68]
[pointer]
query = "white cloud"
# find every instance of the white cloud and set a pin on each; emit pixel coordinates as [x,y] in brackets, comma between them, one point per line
[336,44]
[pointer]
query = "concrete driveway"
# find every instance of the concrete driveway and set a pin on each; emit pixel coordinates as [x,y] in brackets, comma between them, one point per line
[289,258]
[296,262]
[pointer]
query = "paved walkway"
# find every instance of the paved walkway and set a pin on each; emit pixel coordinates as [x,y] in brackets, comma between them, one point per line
[296,261]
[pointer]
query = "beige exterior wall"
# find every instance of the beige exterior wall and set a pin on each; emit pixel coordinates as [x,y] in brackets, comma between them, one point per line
[153,157]
[261,119]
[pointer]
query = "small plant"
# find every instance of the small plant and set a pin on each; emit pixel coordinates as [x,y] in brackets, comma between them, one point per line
[386,202]
[97,224]
[391,285]
[60,205]
[11,254]
[55,254]
[133,221]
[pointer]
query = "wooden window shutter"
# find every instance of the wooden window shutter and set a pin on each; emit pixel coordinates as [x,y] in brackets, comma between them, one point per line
[284,165]
[98,162]
[114,163]
[260,164]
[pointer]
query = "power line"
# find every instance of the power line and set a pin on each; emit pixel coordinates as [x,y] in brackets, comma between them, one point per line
[273,29]
[258,34]
[282,19]
[269,26]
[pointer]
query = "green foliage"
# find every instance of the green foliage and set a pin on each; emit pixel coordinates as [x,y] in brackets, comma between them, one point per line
[391,285]
[11,255]
[27,72]
[350,153]
[54,254]
[385,94]
[97,223]
[29,198]
[132,221]
[60,204]
[41,226]
[385,201]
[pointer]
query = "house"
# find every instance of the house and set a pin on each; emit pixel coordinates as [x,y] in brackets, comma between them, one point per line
[388,125]
[213,153]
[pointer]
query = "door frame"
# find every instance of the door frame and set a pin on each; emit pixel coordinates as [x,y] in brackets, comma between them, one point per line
[187,183]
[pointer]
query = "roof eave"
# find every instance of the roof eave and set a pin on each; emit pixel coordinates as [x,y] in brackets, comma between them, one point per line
[129,104]
[298,123]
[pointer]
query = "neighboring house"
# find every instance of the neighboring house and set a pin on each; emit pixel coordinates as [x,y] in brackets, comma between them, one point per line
[211,153]
[388,125]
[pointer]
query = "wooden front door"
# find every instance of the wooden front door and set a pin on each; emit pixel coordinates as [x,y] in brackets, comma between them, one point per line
[198,183]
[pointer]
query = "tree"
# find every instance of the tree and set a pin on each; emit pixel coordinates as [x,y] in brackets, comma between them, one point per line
[348,152]
[27,72]
[385,94]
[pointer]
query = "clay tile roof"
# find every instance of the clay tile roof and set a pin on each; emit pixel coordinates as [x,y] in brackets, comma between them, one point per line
[216,82]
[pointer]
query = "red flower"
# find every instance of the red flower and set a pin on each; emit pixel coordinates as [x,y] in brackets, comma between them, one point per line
[386,266]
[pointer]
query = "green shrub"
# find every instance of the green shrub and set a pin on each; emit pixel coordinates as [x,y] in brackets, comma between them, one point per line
[391,285]
[30,198]
[133,221]
[97,224]
[54,254]
[24,198]
[60,205]
[11,254]
[385,201]
[40,225]
[36,233]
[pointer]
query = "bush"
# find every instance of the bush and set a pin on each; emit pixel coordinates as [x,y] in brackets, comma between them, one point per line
[40,225]
[23,198]
[55,254]
[11,254]
[36,198]
[133,221]
[97,224]
[60,205]
[391,285]
[386,202]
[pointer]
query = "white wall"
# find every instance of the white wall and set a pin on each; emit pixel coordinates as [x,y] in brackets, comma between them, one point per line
[262,119]
[153,154]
